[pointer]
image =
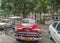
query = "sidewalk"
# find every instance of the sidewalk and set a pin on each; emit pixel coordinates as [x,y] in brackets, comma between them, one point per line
[5,38]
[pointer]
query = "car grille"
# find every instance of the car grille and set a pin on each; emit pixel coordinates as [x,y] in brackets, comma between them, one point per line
[28,34]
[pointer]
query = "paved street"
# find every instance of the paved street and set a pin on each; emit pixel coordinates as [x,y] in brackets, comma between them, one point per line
[10,38]
[45,35]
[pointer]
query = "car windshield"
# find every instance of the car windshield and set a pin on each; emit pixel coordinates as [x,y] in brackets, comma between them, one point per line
[58,28]
[28,21]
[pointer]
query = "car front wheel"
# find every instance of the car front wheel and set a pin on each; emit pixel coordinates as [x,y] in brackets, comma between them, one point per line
[50,35]
[17,40]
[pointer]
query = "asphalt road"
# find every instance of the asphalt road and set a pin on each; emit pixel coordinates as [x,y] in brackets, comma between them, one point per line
[45,35]
[10,38]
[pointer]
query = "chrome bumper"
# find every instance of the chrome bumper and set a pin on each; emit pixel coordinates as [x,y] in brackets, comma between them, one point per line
[21,34]
[30,38]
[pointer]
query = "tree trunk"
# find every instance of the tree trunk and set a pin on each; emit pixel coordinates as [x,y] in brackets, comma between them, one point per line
[40,17]
[44,19]
[40,14]
[15,13]
[24,15]
[24,11]
[35,16]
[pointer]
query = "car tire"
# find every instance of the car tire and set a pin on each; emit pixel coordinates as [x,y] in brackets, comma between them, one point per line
[50,37]
[33,41]
[20,40]
[17,40]
[36,41]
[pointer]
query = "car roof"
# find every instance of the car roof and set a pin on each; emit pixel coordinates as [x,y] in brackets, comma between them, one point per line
[15,17]
[28,19]
[5,19]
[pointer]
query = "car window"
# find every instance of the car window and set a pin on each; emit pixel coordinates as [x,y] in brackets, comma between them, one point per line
[58,28]
[29,21]
[54,25]
[32,21]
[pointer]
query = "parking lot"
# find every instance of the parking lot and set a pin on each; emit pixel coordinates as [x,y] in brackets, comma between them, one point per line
[11,39]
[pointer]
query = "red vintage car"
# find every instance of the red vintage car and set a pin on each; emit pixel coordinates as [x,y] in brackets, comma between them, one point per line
[28,30]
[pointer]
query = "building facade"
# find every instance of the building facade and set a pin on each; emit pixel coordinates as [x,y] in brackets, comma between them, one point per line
[56,17]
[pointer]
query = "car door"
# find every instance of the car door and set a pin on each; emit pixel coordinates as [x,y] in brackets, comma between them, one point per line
[57,34]
[52,30]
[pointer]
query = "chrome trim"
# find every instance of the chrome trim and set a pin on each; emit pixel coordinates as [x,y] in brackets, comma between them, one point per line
[28,34]
[31,38]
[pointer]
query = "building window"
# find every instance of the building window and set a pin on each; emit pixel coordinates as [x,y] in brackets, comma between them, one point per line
[56,17]
[53,17]
[54,25]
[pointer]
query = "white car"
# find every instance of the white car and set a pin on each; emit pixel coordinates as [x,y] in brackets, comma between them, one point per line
[2,25]
[7,21]
[54,31]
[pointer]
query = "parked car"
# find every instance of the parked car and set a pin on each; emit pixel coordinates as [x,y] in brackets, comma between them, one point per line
[7,21]
[28,30]
[54,31]
[2,25]
[15,21]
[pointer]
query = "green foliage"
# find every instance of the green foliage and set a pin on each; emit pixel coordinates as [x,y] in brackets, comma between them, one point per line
[55,4]
[25,6]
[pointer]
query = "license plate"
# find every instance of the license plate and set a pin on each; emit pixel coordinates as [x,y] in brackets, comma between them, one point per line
[27,38]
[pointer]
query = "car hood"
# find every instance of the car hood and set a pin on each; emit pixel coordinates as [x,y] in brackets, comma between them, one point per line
[26,26]
[2,23]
